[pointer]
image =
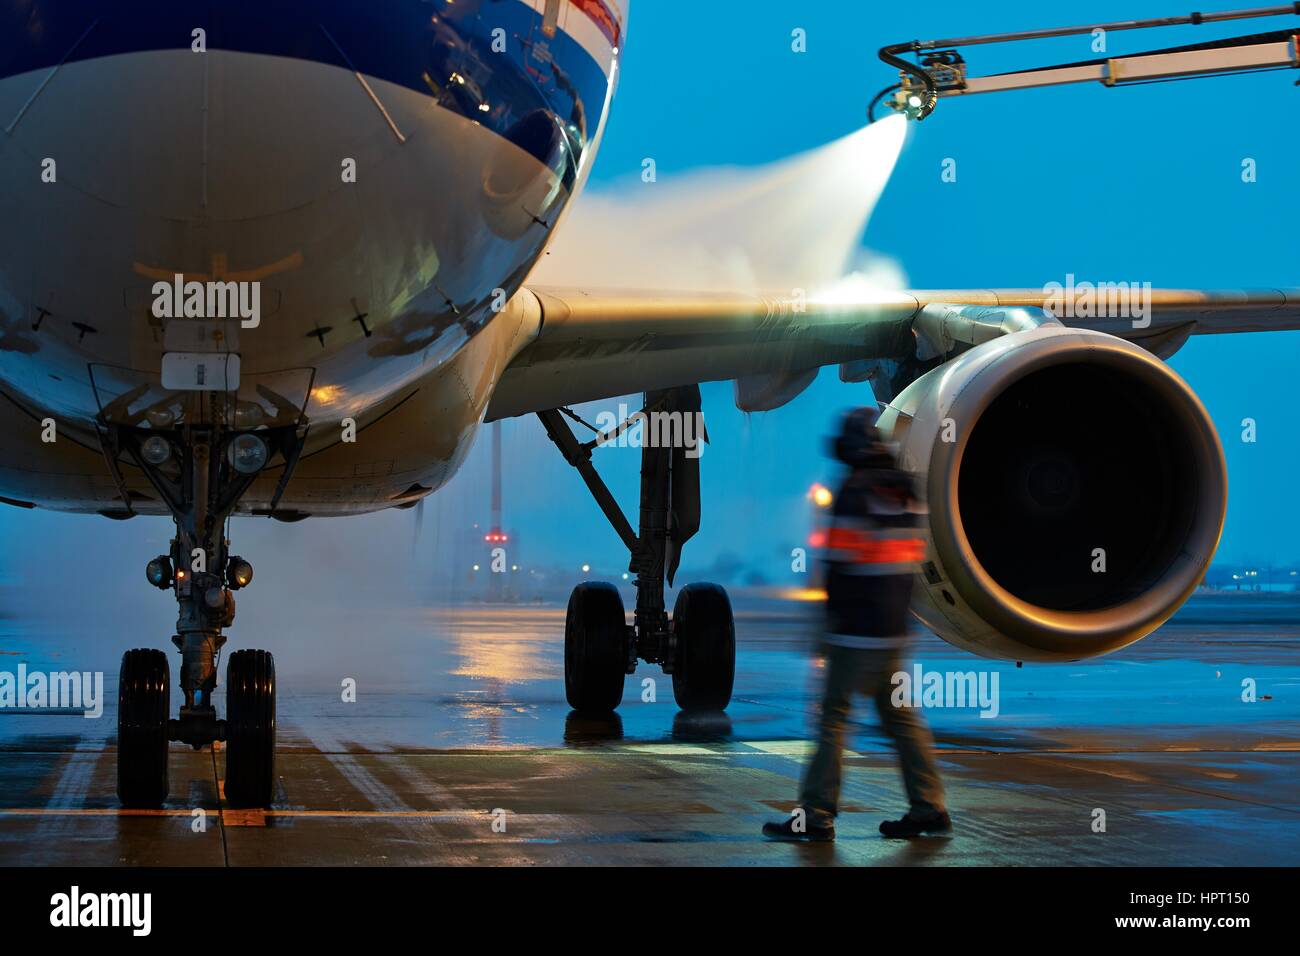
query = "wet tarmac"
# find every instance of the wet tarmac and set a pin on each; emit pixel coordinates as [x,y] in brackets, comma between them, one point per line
[460,749]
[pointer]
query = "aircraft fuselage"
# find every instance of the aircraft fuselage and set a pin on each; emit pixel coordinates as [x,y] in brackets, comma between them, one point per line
[385,174]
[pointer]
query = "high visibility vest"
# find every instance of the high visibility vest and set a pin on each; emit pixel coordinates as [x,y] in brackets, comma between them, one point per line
[873,550]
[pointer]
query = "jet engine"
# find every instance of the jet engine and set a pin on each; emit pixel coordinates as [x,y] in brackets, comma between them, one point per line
[1076,491]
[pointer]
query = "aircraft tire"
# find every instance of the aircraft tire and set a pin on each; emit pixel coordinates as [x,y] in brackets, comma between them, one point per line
[705,668]
[250,729]
[595,648]
[143,704]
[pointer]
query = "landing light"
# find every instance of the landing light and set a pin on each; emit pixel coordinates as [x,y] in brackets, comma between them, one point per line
[247,454]
[156,450]
[239,573]
[161,417]
[159,572]
[249,415]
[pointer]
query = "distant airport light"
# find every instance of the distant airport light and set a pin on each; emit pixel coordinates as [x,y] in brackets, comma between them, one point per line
[476,567]
[820,495]
[803,594]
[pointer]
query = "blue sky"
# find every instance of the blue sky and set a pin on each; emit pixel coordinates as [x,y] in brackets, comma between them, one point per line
[1139,184]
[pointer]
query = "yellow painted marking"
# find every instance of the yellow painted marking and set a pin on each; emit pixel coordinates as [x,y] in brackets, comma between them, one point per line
[784,748]
[92,812]
[671,749]
[243,818]
[221,270]
[230,815]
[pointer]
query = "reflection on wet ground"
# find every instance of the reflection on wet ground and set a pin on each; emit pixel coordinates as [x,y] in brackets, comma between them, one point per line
[460,722]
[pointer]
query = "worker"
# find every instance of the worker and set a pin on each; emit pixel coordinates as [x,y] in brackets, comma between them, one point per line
[873,550]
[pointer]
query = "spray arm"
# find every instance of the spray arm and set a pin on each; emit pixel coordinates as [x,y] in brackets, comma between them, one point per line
[942,72]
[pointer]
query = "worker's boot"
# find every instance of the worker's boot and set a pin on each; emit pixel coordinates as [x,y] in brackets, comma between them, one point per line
[799,827]
[935,824]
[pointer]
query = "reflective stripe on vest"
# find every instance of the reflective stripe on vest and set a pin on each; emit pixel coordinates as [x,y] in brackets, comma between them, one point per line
[890,546]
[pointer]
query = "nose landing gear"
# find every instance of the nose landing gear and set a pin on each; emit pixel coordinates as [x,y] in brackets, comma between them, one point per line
[201,472]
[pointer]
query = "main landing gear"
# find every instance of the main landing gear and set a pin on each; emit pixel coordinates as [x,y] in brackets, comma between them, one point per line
[200,472]
[697,645]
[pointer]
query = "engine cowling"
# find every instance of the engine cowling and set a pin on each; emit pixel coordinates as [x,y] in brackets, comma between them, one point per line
[1076,490]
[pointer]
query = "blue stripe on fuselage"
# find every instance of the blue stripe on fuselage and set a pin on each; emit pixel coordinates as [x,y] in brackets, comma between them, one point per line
[419,44]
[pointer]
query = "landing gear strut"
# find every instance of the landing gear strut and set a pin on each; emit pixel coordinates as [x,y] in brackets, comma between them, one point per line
[200,472]
[697,645]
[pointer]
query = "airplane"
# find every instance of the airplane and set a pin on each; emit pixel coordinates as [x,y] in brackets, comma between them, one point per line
[272,260]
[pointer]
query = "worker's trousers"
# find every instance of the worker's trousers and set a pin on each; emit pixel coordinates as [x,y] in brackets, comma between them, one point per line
[868,672]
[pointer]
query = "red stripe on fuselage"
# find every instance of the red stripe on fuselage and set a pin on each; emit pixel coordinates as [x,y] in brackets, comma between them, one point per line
[603,17]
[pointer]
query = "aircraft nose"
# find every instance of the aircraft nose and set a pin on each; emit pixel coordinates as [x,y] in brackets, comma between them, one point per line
[182,136]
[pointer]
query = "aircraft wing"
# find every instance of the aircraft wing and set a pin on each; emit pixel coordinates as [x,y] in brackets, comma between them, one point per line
[594,344]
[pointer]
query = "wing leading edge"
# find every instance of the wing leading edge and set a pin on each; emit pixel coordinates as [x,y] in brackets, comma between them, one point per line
[595,344]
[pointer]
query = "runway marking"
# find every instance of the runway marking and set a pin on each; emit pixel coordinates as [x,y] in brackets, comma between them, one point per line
[1137,777]
[361,779]
[430,787]
[783,748]
[713,750]
[73,784]
[243,818]
[461,816]
[91,812]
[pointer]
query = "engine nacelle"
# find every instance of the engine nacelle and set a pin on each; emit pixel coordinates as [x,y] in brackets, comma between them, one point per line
[1047,456]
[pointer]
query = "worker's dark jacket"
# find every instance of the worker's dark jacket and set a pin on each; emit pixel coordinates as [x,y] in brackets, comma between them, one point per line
[873,550]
